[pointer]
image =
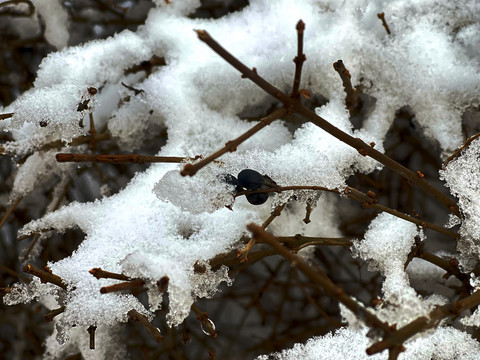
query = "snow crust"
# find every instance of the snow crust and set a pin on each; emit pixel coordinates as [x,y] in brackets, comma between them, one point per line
[162,224]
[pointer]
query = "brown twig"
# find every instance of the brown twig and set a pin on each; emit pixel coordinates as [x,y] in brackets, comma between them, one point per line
[381,16]
[91,330]
[366,201]
[118,159]
[459,150]
[358,144]
[421,324]
[299,241]
[207,324]
[127,285]
[136,316]
[243,254]
[321,279]
[92,131]
[308,212]
[230,146]
[9,212]
[299,59]
[49,316]
[102,274]
[45,276]
[351,98]
[162,284]
[6,116]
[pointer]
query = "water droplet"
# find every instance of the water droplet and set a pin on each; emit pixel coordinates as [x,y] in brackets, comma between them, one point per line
[207,329]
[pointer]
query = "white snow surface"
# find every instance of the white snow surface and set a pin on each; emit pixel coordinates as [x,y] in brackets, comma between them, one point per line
[161,223]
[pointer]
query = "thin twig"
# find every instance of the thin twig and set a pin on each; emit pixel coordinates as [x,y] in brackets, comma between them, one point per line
[421,324]
[127,285]
[14,273]
[45,276]
[299,59]
[118,159]
[102,274]
[205,321]
[293,105]
[381,16]
[49,316]
[6,116]
[9,212]
[136,316]
[321,279]
[230,146]
[91,330]
[351,98]
[243,254]
[366,201]
[459,150]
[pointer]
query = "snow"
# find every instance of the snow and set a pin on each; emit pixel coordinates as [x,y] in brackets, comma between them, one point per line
[161,224]
[346,344]
[462,177]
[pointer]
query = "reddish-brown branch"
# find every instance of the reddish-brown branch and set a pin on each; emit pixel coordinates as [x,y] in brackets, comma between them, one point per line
[127,285]
[205,321]
[358,144]
[45,276]
[243,254]
[91,332]
[421,324]
[459,150]
[49,316]
[136,316]
[6,116]
[118,159]
[381,16]
[351,98]
[162,284]
[299,59]
[366,201]
[230,146]
[9,212]
[102,274]
[321,279]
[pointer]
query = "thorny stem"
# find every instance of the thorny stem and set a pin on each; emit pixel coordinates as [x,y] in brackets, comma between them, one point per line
[230,146]
[45,276]
[321,279]
[381,16]
[351,98]
[136,316]
[295,106]
[118,159]
[299,59]
[432,320]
